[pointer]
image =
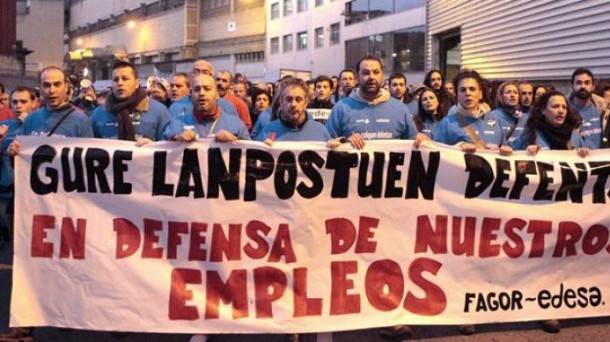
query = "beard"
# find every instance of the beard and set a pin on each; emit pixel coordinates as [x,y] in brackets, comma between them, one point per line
[370,88]
[583,94]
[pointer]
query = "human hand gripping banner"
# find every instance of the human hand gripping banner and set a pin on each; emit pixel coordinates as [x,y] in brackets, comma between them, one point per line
[243,238]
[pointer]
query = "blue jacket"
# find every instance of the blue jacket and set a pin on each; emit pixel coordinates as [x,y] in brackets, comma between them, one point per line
[150,120]
[310,131]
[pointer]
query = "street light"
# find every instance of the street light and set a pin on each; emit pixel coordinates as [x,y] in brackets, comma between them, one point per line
[131,24]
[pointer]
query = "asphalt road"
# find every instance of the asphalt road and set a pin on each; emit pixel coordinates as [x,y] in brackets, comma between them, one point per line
[589,330]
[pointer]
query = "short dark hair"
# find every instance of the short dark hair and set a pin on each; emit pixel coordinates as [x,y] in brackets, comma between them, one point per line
[186,76]
[582,71]
[397,75]
[468,73]
[324,78]
[125,64]
[347,70]
[368,58]
[22,89]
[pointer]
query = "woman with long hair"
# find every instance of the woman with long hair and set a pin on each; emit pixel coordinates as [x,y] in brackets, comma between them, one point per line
[552,125]
[429,113]
[508,111]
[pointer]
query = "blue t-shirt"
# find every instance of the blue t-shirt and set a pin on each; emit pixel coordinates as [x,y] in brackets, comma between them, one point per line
[507,122]
[386,120]
[521,144]
[310,131]
[7,172]
[450,131]
[591,127]
[42,121]
[263,119]
[209,128]
[152,123]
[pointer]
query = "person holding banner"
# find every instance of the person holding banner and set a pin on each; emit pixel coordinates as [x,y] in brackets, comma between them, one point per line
[471,126]
[208,119]
[370,112]
[293,123]
[182,105]
[552,125]
[22,104]
[58,117]
[129,114]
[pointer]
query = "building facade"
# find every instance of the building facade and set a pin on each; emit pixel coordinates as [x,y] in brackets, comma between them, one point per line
[519,39]
[40,29]
[313,37]
[165,36]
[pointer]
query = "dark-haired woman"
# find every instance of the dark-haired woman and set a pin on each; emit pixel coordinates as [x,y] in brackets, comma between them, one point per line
[429,113]
[552,125]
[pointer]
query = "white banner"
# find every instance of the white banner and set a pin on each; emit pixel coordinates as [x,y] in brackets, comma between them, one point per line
[242,238]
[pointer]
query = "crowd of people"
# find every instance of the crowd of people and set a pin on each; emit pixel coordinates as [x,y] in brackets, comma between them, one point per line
[468,112]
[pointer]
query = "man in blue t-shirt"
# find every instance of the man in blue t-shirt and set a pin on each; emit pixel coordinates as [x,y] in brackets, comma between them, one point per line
[370,113]
[593,109]
[208,119]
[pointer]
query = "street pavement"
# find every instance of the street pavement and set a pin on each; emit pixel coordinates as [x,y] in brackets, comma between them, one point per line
[589,330]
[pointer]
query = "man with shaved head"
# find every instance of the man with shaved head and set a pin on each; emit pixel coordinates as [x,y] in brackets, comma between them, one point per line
[183,106]
[208,119]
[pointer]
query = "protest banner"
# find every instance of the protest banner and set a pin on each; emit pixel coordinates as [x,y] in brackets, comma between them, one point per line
[244,238]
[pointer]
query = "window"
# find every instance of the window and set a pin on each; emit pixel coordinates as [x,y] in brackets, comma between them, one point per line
[275,10]
[244,5]
[212,8]
[319,3]
[287,7]
[287,43]
[360,10]
[335,33]
[319,38]
[302,5]
[275,45]
[400,51]
[302,40]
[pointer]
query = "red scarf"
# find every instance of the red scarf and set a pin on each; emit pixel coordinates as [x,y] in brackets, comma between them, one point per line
[201,116]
